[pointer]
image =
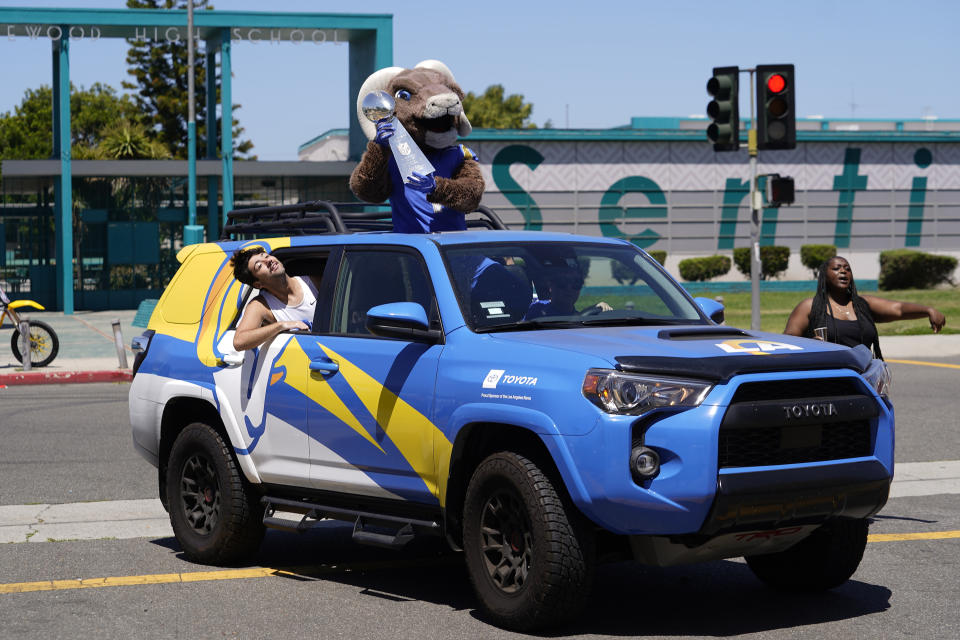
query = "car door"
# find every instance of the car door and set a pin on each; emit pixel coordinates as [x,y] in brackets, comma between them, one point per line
[369,422]
[263,389]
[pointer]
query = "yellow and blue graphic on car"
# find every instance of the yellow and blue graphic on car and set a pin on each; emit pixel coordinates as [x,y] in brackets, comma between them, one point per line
[756,347]
[377,431]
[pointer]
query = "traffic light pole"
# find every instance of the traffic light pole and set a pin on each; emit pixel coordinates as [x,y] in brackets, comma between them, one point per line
[755,207]
[772,126]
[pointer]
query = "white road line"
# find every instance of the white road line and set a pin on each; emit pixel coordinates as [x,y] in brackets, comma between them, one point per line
[147,518]
[83,521]
[925,478]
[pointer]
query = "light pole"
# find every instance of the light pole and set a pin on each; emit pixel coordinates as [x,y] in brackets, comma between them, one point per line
[192,233]
[755,206]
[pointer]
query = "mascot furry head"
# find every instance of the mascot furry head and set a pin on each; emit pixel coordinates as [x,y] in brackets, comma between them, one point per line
[432,109]
[429,105]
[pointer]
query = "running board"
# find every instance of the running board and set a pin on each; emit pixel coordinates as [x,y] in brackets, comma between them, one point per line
[374,529]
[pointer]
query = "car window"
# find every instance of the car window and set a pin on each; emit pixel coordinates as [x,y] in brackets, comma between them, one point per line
[308,264]
[513,283]
[369,278]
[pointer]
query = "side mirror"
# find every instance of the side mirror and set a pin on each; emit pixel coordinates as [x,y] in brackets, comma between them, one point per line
[405,320]
[712,309]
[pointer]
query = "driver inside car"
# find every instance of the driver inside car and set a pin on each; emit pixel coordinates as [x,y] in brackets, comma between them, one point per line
[563,290]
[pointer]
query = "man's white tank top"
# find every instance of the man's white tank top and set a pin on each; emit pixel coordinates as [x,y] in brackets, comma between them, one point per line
[303,311]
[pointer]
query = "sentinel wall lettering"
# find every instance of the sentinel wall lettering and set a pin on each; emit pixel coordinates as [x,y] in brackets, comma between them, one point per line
[675,196]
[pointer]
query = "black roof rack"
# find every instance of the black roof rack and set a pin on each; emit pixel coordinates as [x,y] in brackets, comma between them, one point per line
[321,217]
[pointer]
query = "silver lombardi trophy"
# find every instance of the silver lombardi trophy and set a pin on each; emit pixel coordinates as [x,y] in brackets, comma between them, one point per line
[380,105]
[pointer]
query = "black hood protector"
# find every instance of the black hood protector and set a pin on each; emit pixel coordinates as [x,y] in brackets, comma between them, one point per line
[721,369]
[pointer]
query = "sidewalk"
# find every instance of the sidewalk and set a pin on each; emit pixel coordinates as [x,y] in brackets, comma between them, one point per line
[88,351]
[925,346]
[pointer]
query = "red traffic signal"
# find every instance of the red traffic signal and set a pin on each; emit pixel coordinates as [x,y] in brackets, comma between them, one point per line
[776,83]
[776,117]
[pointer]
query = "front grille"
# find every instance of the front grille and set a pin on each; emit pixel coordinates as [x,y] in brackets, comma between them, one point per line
[750,437]
[796,389]
[775,445]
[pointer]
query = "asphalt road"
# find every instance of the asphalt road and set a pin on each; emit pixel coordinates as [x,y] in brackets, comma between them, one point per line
[71,444]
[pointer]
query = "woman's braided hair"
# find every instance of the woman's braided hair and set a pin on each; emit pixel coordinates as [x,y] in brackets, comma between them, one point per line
[820,313]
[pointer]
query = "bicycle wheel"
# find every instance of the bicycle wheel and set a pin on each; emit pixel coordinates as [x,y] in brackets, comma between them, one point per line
[44,344]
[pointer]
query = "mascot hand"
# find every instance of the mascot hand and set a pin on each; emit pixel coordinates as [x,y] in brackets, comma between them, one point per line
[422,183]
[385,131]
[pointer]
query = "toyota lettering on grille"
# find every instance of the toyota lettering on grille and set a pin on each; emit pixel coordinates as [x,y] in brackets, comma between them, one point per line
[814,410]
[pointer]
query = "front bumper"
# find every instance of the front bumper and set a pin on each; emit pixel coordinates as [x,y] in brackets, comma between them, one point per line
[699,492]
[770,498]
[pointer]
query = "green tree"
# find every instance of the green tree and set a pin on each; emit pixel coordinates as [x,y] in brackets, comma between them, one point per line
[27,132]
[128,140]
[160,72]
[491,110]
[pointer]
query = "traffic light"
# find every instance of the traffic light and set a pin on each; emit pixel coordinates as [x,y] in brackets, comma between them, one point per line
[779,190]
[724,110]
[776,118]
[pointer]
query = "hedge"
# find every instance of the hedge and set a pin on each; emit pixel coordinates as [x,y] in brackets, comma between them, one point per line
[659,256]
[773,261]
[624,274]
[700,269]
[814,255]
[910,269]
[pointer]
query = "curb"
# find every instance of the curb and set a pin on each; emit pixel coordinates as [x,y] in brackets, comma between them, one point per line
[63,377]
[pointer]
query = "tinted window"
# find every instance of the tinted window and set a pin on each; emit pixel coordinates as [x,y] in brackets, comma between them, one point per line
[371,278]
[509,283]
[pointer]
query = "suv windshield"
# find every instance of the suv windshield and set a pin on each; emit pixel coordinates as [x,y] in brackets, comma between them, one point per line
[527,285]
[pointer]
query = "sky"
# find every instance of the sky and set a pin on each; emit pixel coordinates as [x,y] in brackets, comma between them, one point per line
[584,65]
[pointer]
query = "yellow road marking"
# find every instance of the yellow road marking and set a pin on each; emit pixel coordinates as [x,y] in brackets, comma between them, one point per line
[895,537]
[927,364]
[318,570]
[205,576]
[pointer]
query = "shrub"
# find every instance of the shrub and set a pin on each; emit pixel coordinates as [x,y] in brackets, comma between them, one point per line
[814,255]
[773,261]
[627,274]
[659,256]
[699,269]
[909,269]
[624,273]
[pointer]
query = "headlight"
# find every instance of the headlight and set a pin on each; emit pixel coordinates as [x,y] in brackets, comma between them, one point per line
[632,394]
[879,377]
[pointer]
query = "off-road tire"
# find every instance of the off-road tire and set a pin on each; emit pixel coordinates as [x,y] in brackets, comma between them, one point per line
[42,332]
[215,516]
[529,552]
[825,559]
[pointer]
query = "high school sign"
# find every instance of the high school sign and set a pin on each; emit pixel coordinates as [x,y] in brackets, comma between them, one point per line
[369,38]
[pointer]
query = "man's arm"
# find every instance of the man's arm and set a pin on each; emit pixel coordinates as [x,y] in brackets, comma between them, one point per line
[258,325]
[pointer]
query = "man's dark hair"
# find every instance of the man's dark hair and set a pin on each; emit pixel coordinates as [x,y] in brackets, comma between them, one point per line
[239,262]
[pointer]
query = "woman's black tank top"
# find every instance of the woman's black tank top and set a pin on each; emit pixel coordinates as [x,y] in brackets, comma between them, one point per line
[848,333]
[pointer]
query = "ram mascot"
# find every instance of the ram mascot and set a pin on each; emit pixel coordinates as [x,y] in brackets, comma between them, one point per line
[429,105]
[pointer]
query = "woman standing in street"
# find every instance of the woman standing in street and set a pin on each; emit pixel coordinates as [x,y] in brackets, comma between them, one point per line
[836,313]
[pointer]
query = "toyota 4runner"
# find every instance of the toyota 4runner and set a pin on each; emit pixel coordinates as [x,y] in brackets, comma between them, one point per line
[428,398]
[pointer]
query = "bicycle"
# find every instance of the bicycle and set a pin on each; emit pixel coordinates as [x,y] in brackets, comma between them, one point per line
[44,343]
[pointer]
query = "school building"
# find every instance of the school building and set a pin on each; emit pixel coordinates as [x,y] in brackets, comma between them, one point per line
[71,242]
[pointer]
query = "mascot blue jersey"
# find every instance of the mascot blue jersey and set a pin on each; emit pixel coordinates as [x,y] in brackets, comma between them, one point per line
[411,211]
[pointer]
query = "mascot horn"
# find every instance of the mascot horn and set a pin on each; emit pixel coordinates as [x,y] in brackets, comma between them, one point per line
[429,105]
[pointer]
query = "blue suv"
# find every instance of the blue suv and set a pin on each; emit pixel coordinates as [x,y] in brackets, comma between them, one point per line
[501,389]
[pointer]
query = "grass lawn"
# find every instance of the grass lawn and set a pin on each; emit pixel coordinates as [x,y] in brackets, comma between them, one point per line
[775,306]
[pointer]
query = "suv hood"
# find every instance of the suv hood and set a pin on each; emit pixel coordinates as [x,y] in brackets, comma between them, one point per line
[709,352]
